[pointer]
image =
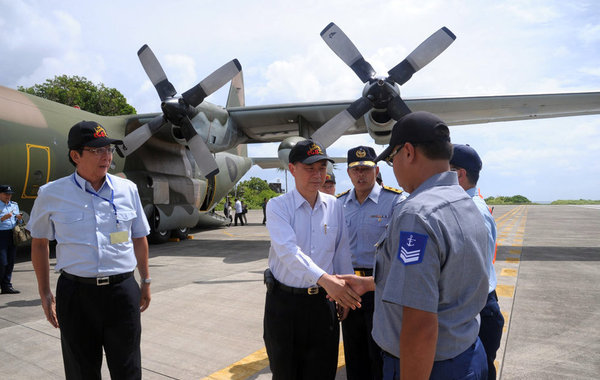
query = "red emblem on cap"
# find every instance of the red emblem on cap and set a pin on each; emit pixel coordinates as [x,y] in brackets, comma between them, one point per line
[99,132]
[314,149]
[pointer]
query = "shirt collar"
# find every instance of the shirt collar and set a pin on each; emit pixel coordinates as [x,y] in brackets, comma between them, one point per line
[472,192]
[299,200]
[83,183]
[440,179]
[373,195]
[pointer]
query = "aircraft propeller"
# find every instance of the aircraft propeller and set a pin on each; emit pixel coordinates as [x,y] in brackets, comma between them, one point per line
[180,111]
[379,93]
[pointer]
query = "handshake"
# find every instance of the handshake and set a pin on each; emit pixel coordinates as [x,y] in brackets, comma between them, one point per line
[345,290]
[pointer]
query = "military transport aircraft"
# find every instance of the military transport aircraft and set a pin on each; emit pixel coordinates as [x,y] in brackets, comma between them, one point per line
[186,158]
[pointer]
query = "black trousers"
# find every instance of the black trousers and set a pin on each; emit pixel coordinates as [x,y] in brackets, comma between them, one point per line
[239,216]
[301,334]
[490,331]
[92,317]
[363,355]
[8,251]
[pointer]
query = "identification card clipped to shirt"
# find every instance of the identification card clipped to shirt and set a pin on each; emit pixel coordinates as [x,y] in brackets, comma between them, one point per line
[119,237]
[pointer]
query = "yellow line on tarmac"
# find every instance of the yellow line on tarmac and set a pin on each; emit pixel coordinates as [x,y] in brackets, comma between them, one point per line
[255,363]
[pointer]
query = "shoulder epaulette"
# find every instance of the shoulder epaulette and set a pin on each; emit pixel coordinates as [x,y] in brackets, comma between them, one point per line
[392,189]
[342,194]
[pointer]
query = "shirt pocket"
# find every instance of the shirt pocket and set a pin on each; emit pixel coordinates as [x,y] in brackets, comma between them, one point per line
[373,228]
[126,218]
[328,238]
[68,226]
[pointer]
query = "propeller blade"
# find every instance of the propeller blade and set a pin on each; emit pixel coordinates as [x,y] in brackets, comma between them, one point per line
[339,124]
[426,52]
[207,165]
[345,49]
[135,139]
[156,73]
[212,83]
[396,108]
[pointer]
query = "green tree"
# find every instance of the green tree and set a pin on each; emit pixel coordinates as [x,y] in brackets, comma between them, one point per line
[78,91]
[252,192]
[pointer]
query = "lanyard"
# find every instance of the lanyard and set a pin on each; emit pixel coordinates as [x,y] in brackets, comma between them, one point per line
[112,195]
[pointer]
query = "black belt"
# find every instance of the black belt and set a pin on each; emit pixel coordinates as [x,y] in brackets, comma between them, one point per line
[313,290]
[363,272]
[99,281]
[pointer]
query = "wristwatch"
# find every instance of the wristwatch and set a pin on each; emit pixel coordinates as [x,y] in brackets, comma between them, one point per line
[147,280]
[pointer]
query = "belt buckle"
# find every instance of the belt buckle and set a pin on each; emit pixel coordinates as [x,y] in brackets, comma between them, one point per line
[313,290]
[101,281]
[360,273]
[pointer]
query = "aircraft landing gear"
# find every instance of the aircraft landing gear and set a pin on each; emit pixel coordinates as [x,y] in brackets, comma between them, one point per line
[158,237]
[180,233]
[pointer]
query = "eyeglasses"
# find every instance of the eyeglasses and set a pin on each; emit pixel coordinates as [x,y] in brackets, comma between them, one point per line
[390,159]
[101,151]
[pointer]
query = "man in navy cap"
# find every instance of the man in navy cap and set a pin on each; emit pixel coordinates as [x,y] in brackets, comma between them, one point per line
[467,165]
[368,208]
[100,229]
[309,245]
[9,217]
[329,184]
[431,277]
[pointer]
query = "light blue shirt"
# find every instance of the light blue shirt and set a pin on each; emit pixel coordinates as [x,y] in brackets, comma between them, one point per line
[432,258]
[366,222]
[7,208]
[66,210]
[307,242]
[490,224]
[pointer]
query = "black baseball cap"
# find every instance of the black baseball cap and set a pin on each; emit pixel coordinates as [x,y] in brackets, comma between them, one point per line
[6,189]
[89,133]
[308,152]
[362,156]
[416,127]
[330,177]
[466,157]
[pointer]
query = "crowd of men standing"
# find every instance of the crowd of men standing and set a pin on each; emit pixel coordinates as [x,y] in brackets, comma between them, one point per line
[409,274]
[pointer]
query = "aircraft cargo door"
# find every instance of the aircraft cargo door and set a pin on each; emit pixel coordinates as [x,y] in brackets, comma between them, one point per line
[37,170]
[210,193]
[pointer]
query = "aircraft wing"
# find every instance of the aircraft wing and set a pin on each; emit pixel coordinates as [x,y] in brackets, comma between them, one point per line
[271,123]
[275,163]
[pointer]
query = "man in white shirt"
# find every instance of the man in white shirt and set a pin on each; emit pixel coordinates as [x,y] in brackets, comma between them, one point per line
[238,212]
[309,245]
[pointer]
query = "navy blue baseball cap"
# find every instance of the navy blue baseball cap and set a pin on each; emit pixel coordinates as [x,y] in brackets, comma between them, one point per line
[361,156]
[89,133]
[330,177]
[6,189]
[416,127]
[308,152]
[466,157]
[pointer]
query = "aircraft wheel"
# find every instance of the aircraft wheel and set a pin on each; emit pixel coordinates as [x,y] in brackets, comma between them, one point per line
[181,233]
[159,237]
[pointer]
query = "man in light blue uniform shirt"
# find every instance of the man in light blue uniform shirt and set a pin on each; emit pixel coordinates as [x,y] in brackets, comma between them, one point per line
[309,245]
[431,271]
[368,209]
[467,165]
[100,230]
[9,217]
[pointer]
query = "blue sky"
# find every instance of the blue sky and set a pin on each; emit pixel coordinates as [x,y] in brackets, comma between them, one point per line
[502,47]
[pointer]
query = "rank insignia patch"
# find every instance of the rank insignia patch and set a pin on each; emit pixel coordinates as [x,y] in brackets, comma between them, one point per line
[412,247]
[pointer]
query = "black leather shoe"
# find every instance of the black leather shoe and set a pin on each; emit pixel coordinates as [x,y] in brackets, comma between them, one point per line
[10,290]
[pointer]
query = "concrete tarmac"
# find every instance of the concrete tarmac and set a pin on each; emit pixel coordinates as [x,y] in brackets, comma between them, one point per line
[205,318]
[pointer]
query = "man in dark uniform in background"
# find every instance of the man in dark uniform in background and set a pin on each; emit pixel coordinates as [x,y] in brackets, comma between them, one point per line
[368,209]
[9,217]
[467,165]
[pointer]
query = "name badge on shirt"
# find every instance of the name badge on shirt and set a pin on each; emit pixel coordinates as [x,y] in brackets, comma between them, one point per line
[119,237]
[412,247]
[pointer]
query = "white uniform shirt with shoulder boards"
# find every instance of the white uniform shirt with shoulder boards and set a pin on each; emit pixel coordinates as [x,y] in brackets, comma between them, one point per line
[82,220]
[433,258]
[307,242]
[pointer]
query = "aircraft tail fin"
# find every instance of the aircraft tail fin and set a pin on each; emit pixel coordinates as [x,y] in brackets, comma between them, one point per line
[236,96]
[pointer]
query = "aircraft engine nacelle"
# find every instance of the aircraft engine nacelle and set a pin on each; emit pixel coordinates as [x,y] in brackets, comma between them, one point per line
[379,124]
[283,152]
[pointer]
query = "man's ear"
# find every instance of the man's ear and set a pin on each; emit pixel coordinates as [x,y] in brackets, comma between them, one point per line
[292,168]
[75,156]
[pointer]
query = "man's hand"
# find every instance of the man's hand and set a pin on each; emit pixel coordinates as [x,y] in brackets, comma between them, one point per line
[338,291]
[145,297]
[360,285]
[49,306]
